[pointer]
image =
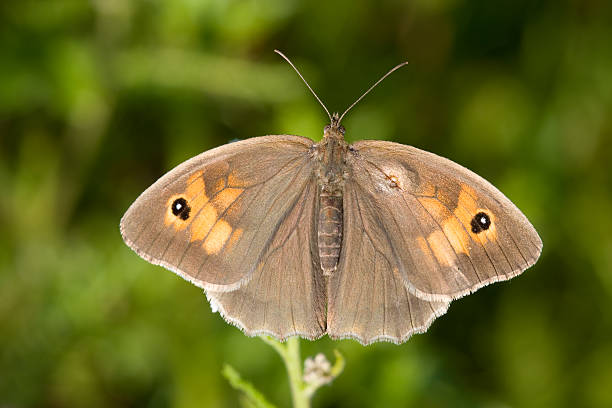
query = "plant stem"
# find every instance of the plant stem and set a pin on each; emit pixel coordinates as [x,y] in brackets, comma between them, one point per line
[290,353]
[301,391]
[293,361]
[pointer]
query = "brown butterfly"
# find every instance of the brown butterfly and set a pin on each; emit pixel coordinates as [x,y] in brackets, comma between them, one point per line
[370,241]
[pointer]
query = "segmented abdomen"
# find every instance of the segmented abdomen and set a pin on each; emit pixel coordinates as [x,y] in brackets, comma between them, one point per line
[330,230]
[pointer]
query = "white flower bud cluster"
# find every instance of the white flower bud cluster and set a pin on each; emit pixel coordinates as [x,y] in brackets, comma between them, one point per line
[318,370]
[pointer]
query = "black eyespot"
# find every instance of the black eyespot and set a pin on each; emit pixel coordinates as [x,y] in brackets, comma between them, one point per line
[180,208]
[480,222]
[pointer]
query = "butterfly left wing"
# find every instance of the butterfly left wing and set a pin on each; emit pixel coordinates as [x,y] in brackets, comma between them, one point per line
[448,231]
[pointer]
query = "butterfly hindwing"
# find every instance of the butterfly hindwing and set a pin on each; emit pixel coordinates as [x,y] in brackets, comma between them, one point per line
[286,294]
[368,299]
[449,231]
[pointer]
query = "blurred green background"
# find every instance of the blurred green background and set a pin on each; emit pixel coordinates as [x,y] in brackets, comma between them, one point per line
[99,98]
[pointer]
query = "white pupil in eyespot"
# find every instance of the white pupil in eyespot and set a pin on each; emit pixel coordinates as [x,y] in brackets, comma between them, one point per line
[483,220]
[178,206]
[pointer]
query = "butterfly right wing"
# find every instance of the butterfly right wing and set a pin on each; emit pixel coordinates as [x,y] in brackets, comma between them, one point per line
[213,218]
[286,294]
[243,233]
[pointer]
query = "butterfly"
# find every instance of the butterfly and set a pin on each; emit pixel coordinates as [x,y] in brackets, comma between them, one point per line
[369,241]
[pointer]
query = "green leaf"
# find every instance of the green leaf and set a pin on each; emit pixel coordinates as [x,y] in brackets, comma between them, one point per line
[252,397]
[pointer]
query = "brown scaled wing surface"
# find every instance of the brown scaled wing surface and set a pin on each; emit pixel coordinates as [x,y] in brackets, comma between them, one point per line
[245,238]
[407,250]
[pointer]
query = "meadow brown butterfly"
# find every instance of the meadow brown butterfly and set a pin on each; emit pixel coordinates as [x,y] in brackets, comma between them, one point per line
[370,241]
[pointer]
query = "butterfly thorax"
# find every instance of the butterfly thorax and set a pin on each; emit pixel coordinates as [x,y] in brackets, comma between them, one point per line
[330,152]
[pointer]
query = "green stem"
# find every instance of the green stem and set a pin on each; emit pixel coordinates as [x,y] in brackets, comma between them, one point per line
[293,361]
[290,353]
[302,392]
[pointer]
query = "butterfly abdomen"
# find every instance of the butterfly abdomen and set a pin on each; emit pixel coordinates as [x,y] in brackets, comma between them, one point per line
[331,154]
[330,230]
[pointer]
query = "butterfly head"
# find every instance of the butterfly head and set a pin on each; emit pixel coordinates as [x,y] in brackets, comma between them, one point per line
[334,129]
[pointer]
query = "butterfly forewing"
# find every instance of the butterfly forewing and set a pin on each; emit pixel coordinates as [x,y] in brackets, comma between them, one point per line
[214,217]
[449,231]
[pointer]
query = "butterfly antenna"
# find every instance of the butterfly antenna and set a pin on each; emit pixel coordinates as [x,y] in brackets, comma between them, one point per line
[298,72]
[395,68]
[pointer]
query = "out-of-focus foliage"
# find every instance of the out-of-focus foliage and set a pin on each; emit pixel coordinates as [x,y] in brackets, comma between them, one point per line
[99,98]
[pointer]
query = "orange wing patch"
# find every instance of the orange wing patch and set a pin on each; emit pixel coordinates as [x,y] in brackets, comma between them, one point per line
[466,210]
[195,188]
[196,198]
[452,228]
[204,216]
[233,181]
[467,202]
[195,176]
[220,185]
[217,237]
[226,197]
[210,226]
[458,238]
[203,223]
[441,249]
[435,208]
